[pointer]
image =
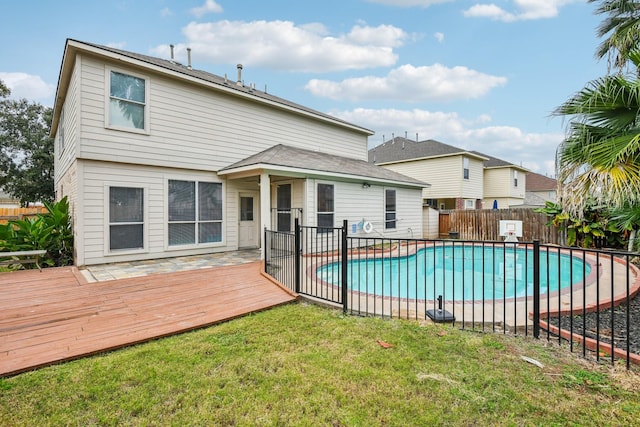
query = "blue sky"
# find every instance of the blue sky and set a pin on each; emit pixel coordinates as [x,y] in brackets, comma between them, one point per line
[483,75]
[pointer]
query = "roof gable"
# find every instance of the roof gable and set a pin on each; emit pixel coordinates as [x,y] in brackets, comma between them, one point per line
[176,70]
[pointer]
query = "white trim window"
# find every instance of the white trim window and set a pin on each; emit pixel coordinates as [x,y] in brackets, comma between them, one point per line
[127,102]
[195,212]
[469,204]
[390,209]
[326,206]
[126,218]
[515,179]
[465,167]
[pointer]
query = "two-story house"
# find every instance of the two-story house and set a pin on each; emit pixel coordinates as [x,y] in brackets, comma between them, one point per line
[159,159]
[540,189]
[458,178]
[455,175]
[504,184]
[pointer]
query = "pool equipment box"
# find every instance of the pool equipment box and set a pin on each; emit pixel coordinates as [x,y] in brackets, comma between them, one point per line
[440,315]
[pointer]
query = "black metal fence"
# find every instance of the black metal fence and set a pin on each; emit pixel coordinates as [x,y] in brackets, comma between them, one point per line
[582,298]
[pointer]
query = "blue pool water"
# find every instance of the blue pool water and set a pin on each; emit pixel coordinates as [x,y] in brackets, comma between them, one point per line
[461,272]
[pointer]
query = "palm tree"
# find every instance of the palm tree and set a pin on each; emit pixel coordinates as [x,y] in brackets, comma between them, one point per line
[622,25]
[599,161]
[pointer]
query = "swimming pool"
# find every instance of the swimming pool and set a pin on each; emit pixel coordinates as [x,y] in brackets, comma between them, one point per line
[459,272]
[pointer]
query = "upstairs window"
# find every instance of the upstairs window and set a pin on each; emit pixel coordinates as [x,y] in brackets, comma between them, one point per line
[515,179]
[390,209]
[465,168]
[127,101]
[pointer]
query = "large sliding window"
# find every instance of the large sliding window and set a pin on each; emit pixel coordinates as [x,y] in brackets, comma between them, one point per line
[325,208]
[126,218]
[390,209]
[127,101]
[195,212]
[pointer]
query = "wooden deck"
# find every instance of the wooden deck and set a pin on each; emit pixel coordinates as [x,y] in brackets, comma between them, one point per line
[55,315]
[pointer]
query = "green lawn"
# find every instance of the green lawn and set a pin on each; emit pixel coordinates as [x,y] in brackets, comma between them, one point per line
[305,365]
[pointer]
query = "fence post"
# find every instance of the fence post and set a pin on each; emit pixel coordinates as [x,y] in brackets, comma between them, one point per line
[266,251]
[345,259]
[536,289]
[298,253]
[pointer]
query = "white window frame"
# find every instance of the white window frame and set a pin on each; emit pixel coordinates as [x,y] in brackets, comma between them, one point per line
[223,221]
[465,168]
[395,212]
[469,204]
[318,212]
[515,179]
[107,220]
[107,101]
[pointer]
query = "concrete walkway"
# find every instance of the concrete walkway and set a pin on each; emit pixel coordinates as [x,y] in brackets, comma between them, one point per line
[126,270]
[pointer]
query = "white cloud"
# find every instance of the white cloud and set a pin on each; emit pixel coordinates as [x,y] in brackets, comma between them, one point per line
[286,46]
[209,6]
[27,86]
[410,84]
[524,10]
[535,151]
[409,3]
[439,37]
[117,45]
[166,12]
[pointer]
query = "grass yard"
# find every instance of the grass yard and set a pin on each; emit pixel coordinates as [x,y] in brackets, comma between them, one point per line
[302,364]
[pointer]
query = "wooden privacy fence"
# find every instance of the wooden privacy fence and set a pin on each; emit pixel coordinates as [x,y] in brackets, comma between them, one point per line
[484,224]
[7,214]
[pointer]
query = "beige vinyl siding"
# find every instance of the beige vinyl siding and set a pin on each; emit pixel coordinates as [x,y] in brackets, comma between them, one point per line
[98,176]
[357,204]
[445,176]
[498,183]
[65,158]
[192,127]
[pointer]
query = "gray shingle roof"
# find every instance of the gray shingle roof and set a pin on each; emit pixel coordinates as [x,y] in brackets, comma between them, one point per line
[399,149]
[284,156]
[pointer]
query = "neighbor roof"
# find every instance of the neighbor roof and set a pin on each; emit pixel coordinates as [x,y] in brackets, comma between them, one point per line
[402,149]
[283,157]
[537,182]
[180,71]
[494,162]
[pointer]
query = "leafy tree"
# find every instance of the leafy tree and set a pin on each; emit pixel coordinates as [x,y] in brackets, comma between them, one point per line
[26,150]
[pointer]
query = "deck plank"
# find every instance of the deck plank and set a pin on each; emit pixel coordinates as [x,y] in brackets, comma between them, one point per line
[55,315]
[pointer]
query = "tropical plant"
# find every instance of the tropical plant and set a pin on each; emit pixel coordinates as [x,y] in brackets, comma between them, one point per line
[592,229]
[50,231]
[599,161]
[622,28]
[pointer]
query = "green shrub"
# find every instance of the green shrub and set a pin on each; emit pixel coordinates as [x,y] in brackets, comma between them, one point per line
[50,231]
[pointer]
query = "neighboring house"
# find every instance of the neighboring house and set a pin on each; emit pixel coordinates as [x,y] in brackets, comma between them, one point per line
[6,201]
[160,160]
[455,175]
[504,184]
[458,178]
[540,189]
